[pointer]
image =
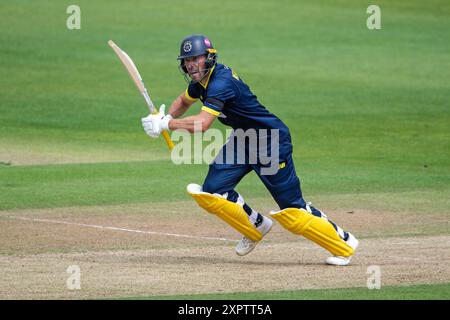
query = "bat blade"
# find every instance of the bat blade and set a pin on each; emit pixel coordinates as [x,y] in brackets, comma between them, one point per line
[129,66]
[137,79]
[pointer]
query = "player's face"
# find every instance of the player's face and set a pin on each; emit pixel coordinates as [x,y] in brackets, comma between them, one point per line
[196,67]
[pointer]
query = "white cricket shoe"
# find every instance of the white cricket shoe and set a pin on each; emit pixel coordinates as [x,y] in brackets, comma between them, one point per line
[245,246]
[344,261]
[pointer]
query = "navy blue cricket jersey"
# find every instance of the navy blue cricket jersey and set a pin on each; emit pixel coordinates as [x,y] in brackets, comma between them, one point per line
[225,95]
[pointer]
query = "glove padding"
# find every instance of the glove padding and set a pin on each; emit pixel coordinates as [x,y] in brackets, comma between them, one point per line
[155,123]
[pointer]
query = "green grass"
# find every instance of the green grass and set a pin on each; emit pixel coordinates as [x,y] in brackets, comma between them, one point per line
[368,110]
[414,292]
[49,186]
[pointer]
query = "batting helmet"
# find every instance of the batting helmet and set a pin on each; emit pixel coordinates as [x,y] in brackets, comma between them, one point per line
[197,45]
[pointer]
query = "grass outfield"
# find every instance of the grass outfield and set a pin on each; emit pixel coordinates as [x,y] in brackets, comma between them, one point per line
[48,186]
[416,292]
[368,111]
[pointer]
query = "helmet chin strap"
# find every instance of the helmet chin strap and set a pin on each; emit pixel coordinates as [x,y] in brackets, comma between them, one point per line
[206,73]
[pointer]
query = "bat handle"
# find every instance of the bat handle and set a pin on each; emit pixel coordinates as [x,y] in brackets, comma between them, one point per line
[168,140]
[149,102]
[153,110]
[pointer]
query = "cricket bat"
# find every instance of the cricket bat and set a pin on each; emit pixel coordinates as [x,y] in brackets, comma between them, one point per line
[137,79]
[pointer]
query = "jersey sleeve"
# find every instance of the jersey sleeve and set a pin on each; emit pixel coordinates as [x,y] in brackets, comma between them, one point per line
[192,92]
[219,92]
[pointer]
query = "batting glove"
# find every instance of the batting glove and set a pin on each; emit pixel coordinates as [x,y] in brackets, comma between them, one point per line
[155,123]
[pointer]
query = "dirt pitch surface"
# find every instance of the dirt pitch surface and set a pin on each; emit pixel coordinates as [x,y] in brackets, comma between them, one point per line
[125,251]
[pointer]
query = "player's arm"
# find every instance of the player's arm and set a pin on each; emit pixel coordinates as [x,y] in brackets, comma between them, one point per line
[198,123]
[180,105]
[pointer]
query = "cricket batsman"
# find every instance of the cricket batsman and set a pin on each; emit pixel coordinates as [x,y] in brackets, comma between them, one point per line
[226,97]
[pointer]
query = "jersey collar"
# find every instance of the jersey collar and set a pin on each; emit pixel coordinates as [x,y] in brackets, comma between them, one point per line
[209,76]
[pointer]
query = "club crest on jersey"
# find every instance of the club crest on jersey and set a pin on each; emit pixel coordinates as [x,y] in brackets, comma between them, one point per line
[187,46]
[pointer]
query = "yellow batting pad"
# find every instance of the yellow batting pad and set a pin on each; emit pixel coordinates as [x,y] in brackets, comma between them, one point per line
[228,211]
[319,230]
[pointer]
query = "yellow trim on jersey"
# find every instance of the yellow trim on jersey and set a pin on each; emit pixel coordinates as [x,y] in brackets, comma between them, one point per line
[234,74]
[207,80]
[189,97]
[211,111]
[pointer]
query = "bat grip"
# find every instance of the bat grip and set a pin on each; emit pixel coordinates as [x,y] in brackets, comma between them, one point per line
[168,140]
